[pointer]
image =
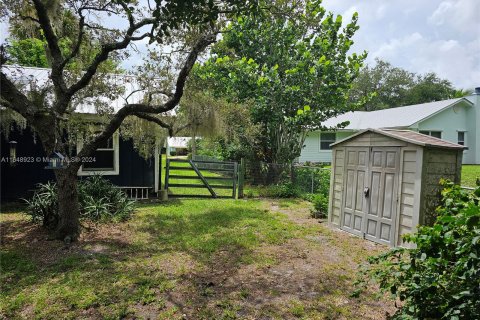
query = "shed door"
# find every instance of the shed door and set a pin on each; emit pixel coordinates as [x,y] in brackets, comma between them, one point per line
[379,222]
[354,205]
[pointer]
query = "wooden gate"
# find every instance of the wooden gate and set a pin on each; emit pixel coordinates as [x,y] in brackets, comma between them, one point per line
[217,179]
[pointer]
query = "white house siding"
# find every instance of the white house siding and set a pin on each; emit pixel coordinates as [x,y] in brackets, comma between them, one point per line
[474,125]
[311,151]
[459,116]
[452,120]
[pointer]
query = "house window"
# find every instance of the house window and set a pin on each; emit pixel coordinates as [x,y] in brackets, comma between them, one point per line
[104,159]
[436,134]
[461,137]
[326,139]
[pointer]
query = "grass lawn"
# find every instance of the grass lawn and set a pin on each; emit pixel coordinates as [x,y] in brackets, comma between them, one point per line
[470,173]
[194,259]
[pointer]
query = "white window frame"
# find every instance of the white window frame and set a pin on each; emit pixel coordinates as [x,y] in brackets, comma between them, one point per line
[464,139]
[116,159]
[430,133]
[320,142]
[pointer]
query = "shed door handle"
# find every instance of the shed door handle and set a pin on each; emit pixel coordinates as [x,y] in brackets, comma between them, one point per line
[366,191]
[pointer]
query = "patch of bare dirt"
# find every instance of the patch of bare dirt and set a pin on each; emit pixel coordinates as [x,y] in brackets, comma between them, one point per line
[36,242]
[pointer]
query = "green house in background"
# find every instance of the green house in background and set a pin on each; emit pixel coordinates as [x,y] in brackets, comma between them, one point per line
[453,120]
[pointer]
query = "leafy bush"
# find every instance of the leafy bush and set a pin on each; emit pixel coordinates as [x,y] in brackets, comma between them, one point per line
[98,198]
[320,205]
[282,190]
[43,206]
[318,181]
[211,147]
[249,194]
[313,180]
[440,278]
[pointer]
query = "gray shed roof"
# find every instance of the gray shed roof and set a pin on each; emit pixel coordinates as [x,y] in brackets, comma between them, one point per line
[408,136]
[400,117]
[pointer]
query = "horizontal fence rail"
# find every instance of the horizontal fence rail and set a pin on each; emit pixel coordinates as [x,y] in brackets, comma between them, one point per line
[219,178]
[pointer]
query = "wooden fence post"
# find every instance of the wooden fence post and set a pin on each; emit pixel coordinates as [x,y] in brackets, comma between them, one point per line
[241,178]
[160,185]
[167,173]
[235,176]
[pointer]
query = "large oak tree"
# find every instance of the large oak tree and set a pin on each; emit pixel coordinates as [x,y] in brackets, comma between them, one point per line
[115,26]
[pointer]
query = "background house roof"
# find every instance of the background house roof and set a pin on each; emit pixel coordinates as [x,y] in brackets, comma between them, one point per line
[400,117]
[179,142]
[408,136]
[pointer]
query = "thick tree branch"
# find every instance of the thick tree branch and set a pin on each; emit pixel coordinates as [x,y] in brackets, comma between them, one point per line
[160,122]
[29,18]
[15,99]
[103,55]
[181,79]
[55,52]
[143,36]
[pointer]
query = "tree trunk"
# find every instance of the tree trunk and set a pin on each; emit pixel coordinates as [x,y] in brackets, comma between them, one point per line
[68,228]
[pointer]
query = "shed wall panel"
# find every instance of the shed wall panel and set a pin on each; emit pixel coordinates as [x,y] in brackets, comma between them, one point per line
[438,164]
[337,185]
[407,193]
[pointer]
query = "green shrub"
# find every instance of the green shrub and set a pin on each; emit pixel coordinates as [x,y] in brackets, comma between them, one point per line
[282,190]
[313,180]
[440,278]
[308,197]
[315,186]
[43,206]
[98,198]
[320,205]
[249,194]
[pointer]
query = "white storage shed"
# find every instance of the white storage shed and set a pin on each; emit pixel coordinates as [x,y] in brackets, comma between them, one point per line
[384,183]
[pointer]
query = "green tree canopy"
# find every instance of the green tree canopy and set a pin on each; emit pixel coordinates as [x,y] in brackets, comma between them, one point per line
[292,68]
[28,52]
[395,87]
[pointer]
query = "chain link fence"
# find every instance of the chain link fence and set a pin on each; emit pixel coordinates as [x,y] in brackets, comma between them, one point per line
[307,179]
[310,182]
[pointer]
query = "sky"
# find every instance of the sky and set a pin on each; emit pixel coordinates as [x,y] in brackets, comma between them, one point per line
[419,35]
[441,36]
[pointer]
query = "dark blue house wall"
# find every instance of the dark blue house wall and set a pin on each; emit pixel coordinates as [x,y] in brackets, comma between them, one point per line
[20,180]
[135,171]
